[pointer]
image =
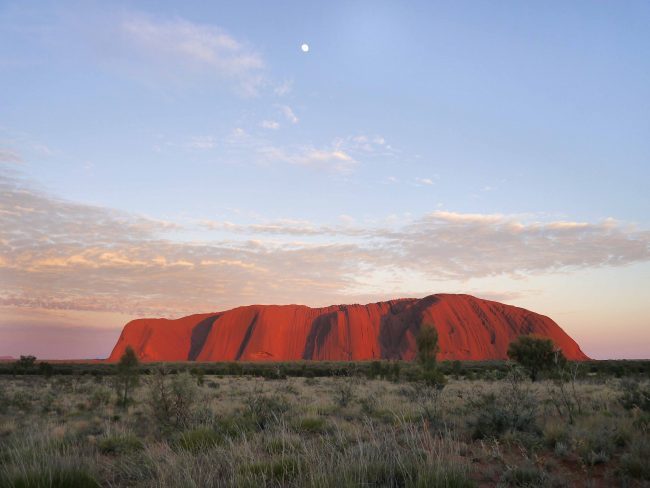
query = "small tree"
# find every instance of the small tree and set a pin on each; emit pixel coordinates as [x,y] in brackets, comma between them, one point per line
[127,375]
[427,393]
[534,353]
[395,372]
[172,397]
[24,364]
[46,369]
[427,344]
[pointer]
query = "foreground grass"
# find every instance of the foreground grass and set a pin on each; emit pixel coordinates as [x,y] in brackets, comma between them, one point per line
[319,432]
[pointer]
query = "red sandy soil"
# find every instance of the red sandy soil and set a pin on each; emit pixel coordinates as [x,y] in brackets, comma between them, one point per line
[469,328]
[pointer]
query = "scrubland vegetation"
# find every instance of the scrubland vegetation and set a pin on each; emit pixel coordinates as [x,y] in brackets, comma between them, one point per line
[373,424]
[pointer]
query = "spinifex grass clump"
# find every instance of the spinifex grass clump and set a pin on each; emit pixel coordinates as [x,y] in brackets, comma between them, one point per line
[513,408]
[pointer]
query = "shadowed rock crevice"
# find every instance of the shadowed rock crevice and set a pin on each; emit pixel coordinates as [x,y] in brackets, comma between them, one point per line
[247,337]
[318,333]
[199,335]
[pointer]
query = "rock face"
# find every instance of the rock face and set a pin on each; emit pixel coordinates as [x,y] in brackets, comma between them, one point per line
[469,328]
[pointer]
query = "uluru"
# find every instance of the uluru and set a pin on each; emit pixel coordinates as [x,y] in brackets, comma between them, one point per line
[469,328]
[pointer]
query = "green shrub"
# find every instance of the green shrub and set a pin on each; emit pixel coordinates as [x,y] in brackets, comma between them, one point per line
[234,426]
[513,409]
[634,395]
[597,446]
[283,445]
[380,473]
[343,392]
[399,474]
[57,477]
[100,396]
[536,354]
[120,444]
[636,462]
[369,405]
[312,425]
[127,376]
[196,440]
[495,416]
[555,434]
[279,471]
[526,476]
[439,478]
[263,409]
[173,397]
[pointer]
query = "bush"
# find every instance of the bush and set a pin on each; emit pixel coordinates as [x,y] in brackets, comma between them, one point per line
[120,444]
[172,397]
[196,440]
[127,375]
[598,444]
[636,462]
[369,405]
[514,409]
[101,396]
[262,409]
[427,346]
[433,378]
[634,395]
[312,425]
[399,474]
[24,364]
[526,476]
[279,471]
[534,353]
[57,477]
[556,434]
[343,392]
[46,369]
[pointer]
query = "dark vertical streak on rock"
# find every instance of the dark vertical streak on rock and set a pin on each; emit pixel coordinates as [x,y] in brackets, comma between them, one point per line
[200,333]
[320,329]
[247,337]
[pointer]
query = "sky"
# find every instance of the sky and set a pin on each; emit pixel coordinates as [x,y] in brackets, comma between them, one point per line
[165,158]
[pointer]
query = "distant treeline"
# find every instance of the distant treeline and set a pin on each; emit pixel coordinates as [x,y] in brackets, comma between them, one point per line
[391,370]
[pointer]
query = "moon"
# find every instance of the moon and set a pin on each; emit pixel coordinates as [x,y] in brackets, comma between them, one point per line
[305,48]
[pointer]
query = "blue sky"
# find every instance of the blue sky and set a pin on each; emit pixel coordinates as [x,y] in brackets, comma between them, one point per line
[517,126]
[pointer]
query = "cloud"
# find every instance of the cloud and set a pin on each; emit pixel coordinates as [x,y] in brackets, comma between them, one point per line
[8,156]
[342,155]
[270,124]
[462,246]
[179,46]
[369,144]
[289,114]
[332,158]
[202,142]
[283,88]
[60,255]
[424,181]
[450,245]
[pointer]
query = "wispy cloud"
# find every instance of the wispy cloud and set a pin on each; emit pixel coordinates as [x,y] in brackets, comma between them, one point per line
[283,88]
[270,124]
[424,181]
[9,156]
[332,158]
[202,142]
[288,113]
[342,155]
[177,44]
